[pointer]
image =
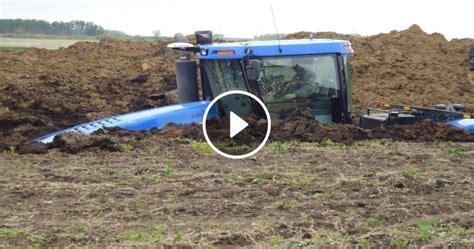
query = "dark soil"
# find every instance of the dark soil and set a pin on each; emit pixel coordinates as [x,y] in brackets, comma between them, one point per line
[299,127]
[171,192]
[42,91]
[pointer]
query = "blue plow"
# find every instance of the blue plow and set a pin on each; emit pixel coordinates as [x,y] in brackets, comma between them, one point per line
[181,114]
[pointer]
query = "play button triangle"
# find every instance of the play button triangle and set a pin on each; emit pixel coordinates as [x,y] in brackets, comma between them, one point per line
[237,124]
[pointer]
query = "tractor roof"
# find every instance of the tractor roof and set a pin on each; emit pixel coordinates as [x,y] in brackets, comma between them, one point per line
[238,50]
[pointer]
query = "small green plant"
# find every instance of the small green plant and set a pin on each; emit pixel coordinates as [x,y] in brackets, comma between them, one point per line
[285,204]
[300,182]
[149,237]
[17,234]
[121,174]
[12,149]
[238,179]
[364,243]
[177,239]
[372,222]
[369,152]
[277,147]
[12,233]
[261,178]
[169,171]
[399,242]
[413,172]
[85,230]
[454,152]
[327,143]
[343,146]
[135,235]
[426,229]
[322,195]
[125,148]
[201,148]
[275,241]
[156,178]
[171,198]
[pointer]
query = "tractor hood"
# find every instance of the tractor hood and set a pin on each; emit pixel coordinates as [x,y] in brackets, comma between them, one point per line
[466,124]
[155,118]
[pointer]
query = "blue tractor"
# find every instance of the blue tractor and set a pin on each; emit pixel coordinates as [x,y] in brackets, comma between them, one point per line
[313,75]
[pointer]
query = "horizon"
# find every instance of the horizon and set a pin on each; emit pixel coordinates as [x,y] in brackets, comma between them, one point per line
[141,18]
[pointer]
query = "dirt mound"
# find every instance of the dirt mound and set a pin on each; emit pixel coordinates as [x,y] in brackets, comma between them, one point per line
[41,90]
[407,67]
[424,130]
[298,126]
[302,127]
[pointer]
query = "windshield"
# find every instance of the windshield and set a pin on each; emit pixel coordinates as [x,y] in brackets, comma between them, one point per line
[305,82]
[227,75]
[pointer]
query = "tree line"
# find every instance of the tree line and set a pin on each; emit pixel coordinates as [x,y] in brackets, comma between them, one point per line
[73,28]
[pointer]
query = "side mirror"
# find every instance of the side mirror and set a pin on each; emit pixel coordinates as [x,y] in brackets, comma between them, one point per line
[252,70]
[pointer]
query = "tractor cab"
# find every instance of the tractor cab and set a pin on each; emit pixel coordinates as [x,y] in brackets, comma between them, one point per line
[313,75]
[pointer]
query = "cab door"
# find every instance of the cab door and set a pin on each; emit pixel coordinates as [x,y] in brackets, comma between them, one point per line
[227,75]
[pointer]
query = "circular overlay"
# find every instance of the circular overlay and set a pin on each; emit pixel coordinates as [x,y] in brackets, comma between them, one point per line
[214,101]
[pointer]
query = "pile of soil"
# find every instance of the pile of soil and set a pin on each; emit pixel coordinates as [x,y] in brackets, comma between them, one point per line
[43,90]
[407,67]
[298,126]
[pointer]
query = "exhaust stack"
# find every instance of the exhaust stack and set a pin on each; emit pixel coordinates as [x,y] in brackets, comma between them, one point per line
[186,74]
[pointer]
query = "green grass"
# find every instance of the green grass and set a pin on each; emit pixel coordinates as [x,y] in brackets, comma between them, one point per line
[426,229]
[399,242]
[299,182]
[33,240]
[373,222]
[413,172]
[454,152]
[13,49]
[322,195]
[277,147]
[146,237]
[121,174]
[125,148]
[261,178]
[156,178]
[169,171]
[201,148]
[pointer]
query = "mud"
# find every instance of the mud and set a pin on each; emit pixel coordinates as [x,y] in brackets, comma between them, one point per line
[348,187]
[375,193]
[42,91]
[297,127]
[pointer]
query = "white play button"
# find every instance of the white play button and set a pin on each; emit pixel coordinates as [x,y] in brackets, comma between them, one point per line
[237,124]
[226,143]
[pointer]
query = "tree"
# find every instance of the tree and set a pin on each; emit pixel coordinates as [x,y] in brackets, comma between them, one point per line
[78,28]
[156,33]
[218,36]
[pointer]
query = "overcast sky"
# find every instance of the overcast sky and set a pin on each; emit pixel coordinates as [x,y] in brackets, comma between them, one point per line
[245,18]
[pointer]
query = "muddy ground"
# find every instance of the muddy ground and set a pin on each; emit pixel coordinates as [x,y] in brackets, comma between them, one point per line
[311,185]
[42,91]
[179,193]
